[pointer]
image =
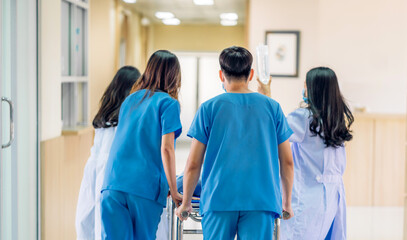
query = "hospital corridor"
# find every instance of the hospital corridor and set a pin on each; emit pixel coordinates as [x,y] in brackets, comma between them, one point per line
[203,119]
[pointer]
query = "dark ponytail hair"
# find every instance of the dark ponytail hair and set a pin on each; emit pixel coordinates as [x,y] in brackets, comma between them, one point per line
[331,117]
[112,99]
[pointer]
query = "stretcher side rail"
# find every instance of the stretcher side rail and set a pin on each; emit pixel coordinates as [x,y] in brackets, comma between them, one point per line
[194,215]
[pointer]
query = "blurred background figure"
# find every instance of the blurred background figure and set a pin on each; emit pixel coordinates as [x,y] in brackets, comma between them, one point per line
[59,56]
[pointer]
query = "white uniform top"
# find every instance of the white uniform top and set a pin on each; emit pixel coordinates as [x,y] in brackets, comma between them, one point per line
[88,221]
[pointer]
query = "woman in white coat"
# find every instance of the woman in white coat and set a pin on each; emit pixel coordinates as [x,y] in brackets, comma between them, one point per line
[88,220]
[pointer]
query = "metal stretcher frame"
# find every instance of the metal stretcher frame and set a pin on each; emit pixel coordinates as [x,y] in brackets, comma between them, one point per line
[180,231]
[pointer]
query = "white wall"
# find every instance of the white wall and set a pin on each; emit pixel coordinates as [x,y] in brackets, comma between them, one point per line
[363,41]
[50,68]
[102,44]
[101,60]
[299,15]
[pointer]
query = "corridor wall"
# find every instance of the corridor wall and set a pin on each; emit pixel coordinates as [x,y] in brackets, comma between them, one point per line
[64,152]
[197,38]
[364,42]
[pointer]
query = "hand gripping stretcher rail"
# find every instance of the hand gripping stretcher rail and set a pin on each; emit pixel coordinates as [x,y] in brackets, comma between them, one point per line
[194,215]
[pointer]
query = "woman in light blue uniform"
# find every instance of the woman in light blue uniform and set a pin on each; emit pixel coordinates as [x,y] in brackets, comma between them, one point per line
[320,132]
[141,165]
[87,220]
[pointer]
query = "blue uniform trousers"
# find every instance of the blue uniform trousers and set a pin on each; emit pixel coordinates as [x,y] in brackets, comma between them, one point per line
[128,217]
[248,225]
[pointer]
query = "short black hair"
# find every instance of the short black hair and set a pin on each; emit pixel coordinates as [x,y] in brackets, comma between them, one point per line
[236,62]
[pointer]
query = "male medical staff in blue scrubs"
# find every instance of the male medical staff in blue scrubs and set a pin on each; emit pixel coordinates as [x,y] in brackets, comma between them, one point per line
[244,138]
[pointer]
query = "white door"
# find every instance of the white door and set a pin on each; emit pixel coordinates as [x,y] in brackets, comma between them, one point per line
[200,82]
[18,120]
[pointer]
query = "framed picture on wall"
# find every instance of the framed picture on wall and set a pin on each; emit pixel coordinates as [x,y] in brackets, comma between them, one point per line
[284,51]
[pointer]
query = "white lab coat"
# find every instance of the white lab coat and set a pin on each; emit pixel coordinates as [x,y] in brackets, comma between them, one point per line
[318,197]
[88,220]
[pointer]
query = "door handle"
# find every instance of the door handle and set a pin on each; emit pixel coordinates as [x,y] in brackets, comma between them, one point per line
[10,103]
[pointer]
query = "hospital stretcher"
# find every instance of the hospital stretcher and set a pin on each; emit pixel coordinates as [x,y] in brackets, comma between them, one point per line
[194,215]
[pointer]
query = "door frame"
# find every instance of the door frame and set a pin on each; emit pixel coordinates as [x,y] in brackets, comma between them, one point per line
[37,77]
[1,104]
[36,3]
[12,75]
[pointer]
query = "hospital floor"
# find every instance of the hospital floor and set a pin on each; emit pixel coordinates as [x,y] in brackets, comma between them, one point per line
[364,223]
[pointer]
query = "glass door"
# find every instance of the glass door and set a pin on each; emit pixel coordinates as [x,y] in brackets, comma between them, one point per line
[18,120]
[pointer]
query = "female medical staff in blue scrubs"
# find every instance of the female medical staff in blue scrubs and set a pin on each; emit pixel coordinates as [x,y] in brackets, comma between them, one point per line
[141,165]
[320,132]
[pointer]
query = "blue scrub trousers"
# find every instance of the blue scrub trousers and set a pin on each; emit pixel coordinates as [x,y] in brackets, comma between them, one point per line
[128,217]
[248,225]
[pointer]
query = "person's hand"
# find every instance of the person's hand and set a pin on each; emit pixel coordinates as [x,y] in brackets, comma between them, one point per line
[290,212]
[185,207]
[264,88]
[176,198]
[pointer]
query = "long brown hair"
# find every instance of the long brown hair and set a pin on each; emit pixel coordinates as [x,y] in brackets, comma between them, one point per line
[112,99]
[163,73]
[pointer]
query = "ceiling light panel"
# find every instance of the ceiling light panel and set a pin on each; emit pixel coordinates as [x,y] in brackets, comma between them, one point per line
[171,21]
[229,16]
[203,2]
[164,15]
[130,1]
[228,22]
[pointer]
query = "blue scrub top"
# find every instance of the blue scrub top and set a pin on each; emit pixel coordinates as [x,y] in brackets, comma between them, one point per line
[241,132]
[135,165]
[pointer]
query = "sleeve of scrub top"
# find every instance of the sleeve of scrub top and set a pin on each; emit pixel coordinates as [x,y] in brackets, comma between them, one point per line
[283,129]
[299,124]
[170,119]
[200,126]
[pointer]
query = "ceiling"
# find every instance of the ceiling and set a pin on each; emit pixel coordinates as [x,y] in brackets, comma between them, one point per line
[188,12]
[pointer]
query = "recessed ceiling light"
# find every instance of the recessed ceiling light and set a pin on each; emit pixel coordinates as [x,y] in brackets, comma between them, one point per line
[229,16]
[130,1]
[164,15]
[203,2]
[145,21]
[228,22]
[171,21]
